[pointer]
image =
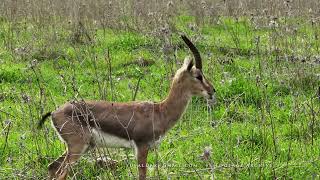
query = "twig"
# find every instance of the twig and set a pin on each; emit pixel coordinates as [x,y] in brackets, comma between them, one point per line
[6,138]
[108,59]
[195,170]
[136,89]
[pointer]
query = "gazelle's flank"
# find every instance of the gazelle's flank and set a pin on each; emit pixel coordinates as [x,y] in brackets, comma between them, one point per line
[88,124]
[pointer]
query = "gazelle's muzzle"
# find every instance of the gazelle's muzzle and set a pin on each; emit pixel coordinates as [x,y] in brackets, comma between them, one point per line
[210,95]
[211,99]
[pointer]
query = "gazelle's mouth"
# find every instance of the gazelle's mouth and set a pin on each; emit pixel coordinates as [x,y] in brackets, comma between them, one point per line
[211,99]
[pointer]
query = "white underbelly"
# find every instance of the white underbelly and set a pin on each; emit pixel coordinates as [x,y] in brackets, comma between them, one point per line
[103,139]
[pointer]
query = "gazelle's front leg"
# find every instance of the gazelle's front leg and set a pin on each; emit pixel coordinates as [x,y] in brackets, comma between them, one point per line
[142,160]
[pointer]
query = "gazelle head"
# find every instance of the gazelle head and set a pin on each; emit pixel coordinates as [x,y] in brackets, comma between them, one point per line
[191,77]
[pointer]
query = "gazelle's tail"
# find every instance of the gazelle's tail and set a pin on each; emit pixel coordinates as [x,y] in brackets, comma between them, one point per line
[43,119]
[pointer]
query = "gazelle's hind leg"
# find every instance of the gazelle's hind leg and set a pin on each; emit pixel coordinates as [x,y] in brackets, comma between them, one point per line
[59,168]
[55,166]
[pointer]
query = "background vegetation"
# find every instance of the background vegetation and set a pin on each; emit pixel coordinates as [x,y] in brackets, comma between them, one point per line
[262,57]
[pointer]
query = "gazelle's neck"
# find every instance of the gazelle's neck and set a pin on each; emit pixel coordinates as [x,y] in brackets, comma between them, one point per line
[175,104]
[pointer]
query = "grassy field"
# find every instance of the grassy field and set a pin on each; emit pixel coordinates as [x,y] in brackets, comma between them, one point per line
[265,124]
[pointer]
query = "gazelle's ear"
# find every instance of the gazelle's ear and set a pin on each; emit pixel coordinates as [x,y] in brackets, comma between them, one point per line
[188,63]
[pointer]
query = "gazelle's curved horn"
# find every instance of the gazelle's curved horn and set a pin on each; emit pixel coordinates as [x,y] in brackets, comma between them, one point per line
[194,50]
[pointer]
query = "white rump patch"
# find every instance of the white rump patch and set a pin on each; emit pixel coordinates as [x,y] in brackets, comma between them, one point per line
[103,139]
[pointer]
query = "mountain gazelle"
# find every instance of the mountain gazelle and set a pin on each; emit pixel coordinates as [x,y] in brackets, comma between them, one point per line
[83,125]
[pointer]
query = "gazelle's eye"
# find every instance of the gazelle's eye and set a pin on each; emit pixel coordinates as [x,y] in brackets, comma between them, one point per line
[199,78]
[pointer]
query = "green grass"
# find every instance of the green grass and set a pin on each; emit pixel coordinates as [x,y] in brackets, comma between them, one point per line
[265,124]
